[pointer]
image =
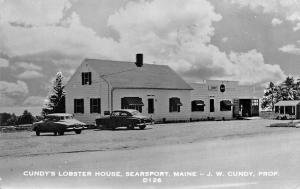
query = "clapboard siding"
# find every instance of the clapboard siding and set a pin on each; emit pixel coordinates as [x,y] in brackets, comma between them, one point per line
[161,102]
[75,90]
[202,91]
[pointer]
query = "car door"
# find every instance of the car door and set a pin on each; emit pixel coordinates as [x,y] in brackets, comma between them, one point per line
[114,119]
[50,125]
[123,119]
[42,125]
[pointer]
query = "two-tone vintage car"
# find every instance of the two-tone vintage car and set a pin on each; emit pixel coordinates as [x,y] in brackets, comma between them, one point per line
[129,118]
[58,124]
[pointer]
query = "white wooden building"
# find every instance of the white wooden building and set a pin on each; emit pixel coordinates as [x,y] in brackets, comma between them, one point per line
[216,99]
[100,86]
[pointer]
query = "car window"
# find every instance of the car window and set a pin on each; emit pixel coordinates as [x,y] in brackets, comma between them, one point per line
[136,113]
[115,114]
[69,117]
[53,118]
[123,114]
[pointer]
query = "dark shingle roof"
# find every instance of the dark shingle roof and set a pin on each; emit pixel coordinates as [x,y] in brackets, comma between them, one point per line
[127,75]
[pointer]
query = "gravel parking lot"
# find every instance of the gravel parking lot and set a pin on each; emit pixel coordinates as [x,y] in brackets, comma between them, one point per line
[27,144]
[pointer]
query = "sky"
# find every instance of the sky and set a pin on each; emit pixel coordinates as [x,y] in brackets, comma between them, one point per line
[251,41]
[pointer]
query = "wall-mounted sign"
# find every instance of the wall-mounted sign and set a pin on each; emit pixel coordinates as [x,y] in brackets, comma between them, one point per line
[213,88]
[222,88]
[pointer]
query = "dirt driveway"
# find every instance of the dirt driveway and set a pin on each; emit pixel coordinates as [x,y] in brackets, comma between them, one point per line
[27,144]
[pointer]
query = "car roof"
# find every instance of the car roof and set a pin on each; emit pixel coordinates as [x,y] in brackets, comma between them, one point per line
[126,110]
[59,115]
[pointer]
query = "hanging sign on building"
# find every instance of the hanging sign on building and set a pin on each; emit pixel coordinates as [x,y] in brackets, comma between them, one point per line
[222,88]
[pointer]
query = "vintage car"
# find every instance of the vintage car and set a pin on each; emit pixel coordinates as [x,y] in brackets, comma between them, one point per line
[293,123]
[58,124]
[124,118]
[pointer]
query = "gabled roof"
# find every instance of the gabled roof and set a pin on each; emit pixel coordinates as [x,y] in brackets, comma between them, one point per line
[128,75]
[288,103]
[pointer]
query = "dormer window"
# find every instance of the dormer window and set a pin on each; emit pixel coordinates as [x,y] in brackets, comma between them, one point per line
[86,78]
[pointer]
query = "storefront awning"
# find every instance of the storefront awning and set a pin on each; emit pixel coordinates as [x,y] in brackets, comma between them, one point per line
[133,101]
[199,103]
[176,101]
[227,102]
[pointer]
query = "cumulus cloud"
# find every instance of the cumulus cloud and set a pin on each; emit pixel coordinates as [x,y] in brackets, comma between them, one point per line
[10,92]
[276,21]
[51,29]
[13,89]
[34,101]
[30,74]
[3,62]
[250,68]
[289,9]
[179,35]
[33,13]
[28,66]
[291,49]
[224,39]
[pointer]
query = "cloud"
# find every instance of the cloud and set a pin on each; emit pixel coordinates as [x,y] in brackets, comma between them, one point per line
[276,21]
[179,35]
[28,66]
[30,74]
[291,49]
[295,17]
[34,101]
[224,39]
[13,89]
[289,9]
[33,13]
[51,28]
[3,62]
[249,64]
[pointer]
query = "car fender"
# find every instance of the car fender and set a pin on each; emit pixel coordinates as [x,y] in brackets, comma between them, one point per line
[133,121]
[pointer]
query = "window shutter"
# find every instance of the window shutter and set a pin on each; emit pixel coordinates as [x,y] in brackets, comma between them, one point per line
[99,105]
[91,105]
[90,78]
[82,78]
[75,106]
[82,106]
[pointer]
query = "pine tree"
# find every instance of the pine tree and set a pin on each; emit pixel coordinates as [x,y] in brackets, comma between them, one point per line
[56,99]
[270,96]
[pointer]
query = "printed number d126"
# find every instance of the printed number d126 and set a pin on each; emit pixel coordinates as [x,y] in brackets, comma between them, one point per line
[152,180]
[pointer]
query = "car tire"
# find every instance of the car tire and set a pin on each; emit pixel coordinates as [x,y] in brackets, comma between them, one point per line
[142,127]
[102,127]
[55,133]
[130,126]
[37,132]
[78,132]
[61,132]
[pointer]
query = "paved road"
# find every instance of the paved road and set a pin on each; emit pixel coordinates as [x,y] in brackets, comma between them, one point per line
[255,161]
[26,143]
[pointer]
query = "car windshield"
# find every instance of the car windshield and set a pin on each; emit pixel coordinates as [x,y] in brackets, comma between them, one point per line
[57,118]
[52,118]
[136,113]
[68,117]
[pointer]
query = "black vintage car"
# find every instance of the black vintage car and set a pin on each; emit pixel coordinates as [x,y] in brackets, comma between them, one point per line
[124,118]
[58,124]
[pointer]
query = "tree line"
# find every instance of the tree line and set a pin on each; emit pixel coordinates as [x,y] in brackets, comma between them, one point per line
[289,89]
[55,104]
[7,119]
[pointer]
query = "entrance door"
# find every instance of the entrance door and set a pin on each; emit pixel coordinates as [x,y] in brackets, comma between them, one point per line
[236,107]
[255,107]
[212,105]
[245,106]
[150,106]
